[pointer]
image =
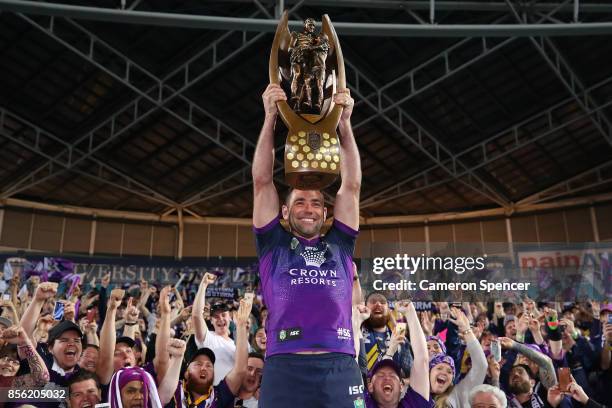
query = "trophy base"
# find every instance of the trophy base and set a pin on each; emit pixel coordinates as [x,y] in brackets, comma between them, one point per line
[309,180]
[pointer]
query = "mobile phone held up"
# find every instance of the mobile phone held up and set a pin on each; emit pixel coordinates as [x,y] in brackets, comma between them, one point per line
[58,311]
[496,350]
[90,315]
[564,379]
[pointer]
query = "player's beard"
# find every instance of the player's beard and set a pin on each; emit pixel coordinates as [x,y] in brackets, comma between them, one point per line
[376,322]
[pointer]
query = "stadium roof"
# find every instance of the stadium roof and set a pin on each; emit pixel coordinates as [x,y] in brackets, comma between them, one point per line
[130,109]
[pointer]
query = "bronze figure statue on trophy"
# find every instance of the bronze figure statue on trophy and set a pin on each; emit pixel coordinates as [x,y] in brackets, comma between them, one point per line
[311,65]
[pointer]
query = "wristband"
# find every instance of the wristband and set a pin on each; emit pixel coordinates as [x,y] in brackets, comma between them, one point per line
[552,324]
[466,331]
[130,324]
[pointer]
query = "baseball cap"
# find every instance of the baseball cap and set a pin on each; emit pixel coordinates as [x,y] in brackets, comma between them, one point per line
[218,307]
[568,307]
[388,362]
[61,328]
[606,308]
[204,351]
[127,340]
[5,322]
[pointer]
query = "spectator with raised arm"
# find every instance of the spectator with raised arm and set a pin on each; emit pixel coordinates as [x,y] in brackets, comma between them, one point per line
[18,346]
[384,387]
[377,334]
[197,389]
[219,340]
[442,368]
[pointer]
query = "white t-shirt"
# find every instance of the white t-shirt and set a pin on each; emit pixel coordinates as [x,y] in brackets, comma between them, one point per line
[250,403]
[224,350]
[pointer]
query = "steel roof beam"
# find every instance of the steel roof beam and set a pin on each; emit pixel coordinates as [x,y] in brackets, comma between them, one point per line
[428,144]
[521,135]
[34,137]
[269,26]
[445,5]
[141,107]
[182,73]
[568,77]
[593,177]
[357,81]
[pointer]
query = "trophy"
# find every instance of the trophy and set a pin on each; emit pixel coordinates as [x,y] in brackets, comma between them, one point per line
[312,65]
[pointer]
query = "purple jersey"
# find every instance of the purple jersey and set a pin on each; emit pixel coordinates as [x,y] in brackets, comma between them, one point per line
[307,288]
[412,399]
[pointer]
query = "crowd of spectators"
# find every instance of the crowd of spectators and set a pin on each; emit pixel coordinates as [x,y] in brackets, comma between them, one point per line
[149,346]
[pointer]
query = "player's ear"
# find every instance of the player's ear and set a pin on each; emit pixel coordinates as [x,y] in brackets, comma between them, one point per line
[285,211]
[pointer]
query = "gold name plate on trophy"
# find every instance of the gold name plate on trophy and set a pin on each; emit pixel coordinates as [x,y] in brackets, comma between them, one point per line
[312,65]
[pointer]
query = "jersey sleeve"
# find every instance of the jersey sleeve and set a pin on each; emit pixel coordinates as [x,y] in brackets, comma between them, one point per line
[268,236]
[415,400]
[343,235]
[224,395]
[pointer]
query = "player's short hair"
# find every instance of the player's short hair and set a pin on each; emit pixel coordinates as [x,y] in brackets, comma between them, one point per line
[290,192]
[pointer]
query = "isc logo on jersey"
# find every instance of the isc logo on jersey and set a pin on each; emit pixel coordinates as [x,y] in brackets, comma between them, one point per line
[356,389]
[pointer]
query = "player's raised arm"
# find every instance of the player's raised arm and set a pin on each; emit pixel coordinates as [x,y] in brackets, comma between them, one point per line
[265,204]
[346,208]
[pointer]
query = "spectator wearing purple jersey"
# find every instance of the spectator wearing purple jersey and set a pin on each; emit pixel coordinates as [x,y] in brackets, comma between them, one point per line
[385,387]
[307,278]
